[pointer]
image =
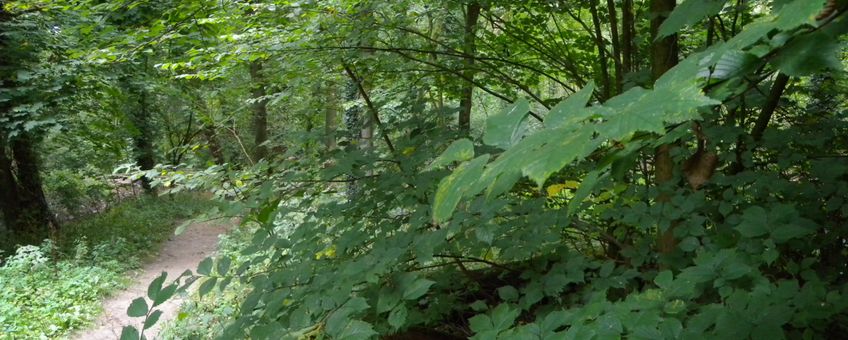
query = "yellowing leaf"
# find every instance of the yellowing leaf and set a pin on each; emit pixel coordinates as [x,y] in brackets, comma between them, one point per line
[329,253]
[555,189]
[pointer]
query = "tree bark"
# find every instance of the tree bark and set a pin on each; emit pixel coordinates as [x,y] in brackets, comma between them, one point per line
[770,106]
[664,55]
[331,113]
[214,145]
[602,49]
[35,221]
[616,46]
[9,201]
[260,111]
[472,14]
[627,36]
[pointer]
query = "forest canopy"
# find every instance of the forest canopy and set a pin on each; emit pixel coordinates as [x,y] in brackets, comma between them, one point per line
[418,169]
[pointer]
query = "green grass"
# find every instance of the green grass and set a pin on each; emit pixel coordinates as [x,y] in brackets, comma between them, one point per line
[52,289]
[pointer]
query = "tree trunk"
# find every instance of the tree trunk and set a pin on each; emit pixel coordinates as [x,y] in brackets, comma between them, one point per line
[331,112]
[627,36]
[616,46]
[9,201]
[35,221]
[469,49]
[214,145]
[143,139]
[602,49]
[260,111]
[663,57]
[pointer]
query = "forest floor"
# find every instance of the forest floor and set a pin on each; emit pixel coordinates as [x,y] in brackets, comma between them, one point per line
[178,254]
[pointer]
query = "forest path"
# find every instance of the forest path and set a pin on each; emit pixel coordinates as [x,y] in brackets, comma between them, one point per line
[181,252]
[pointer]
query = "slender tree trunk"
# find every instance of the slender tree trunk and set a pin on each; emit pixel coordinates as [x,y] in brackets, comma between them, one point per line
[143,140]
[664,56]
[627,36]
[616,46]
[214,145]
[260,111]
[472,14]
[331,112]
[770,106]
[602,49]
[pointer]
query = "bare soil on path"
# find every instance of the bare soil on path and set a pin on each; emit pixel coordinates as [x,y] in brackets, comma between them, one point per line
[181,252]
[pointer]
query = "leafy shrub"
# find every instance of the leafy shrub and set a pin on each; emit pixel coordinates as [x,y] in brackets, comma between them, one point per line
[75,192]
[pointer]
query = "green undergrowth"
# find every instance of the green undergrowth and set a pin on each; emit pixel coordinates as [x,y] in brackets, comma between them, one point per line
[206,317]
[54,288]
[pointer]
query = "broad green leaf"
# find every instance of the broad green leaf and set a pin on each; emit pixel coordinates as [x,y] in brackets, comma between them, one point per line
[397,318]
[480,323]
[503,316]
[152,319]
[728,65]
[787,232]
[754,222]
[223,265]
[387,299]
[205,267]
[650,110]
[155,286]
[505,129]
[452,188]
[356,329]
[664,279]
[137,308]
[689,13]
[165,294]
[508,293]
[207,286]
[130,333]
[813,53]
[460,150]
[797,13]
[557,153]
[416,288]
[572,110]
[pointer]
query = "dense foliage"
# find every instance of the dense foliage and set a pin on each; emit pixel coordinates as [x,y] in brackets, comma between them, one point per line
[476,168]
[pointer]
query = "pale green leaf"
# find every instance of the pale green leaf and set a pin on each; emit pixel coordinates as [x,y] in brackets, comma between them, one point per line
[397,318]
[356,329]
[453,187]
[416,289]
[460,150]
[557,153]
[689,13]
[572,110]
[505,129]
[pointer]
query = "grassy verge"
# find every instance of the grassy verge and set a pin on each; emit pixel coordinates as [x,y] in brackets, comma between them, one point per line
[52,289]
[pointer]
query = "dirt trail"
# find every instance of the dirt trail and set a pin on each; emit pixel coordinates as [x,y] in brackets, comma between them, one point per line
[178,254]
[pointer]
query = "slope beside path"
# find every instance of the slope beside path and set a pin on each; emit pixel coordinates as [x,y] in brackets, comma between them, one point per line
[181,252]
